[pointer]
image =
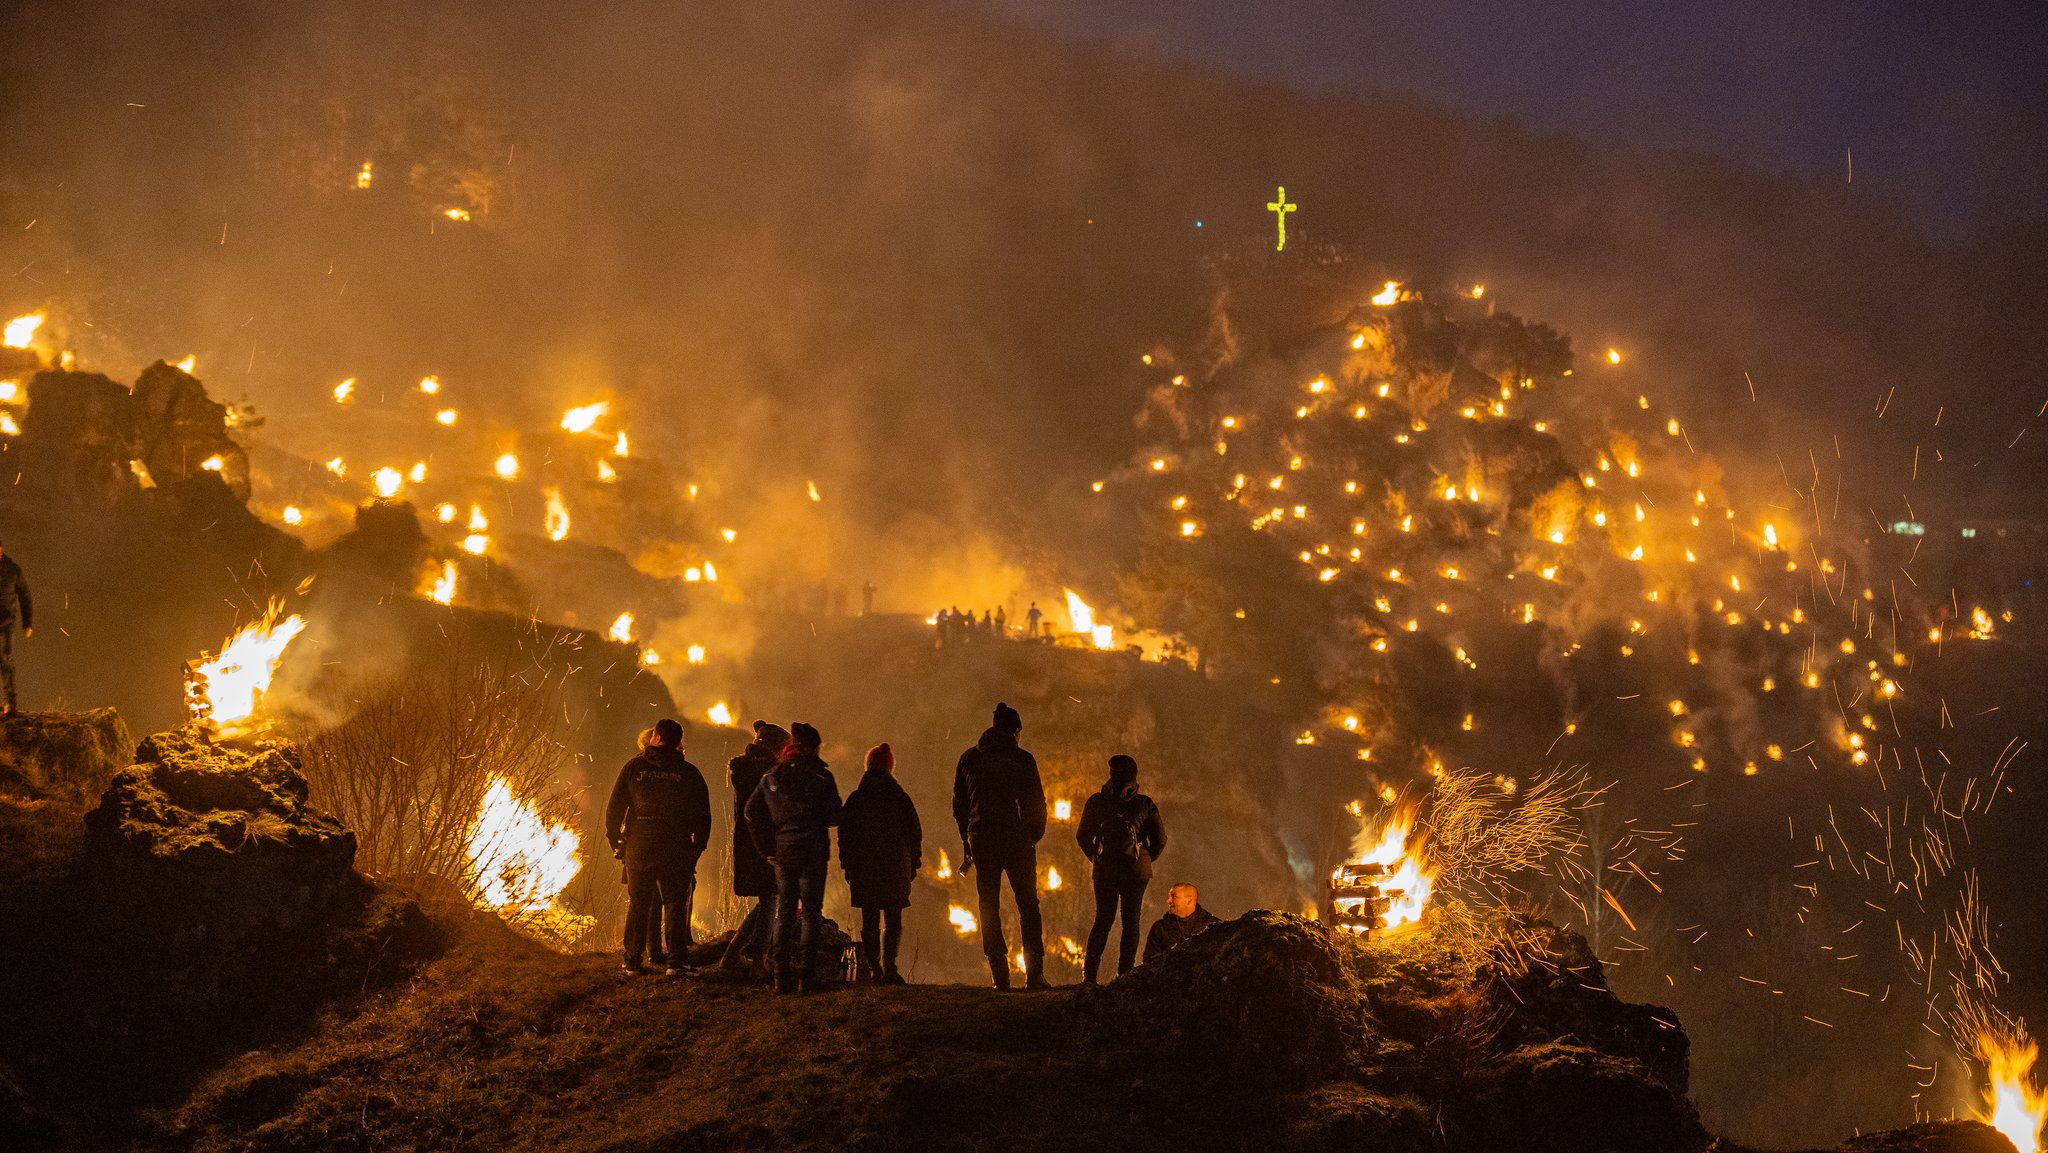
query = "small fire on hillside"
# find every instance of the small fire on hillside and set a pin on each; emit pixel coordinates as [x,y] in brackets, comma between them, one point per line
[224,693]
[1387,887]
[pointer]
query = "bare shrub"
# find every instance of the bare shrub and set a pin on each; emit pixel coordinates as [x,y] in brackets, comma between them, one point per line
[409,769]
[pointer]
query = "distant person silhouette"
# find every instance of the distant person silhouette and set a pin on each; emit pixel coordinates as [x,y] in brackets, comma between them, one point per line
[1031,620]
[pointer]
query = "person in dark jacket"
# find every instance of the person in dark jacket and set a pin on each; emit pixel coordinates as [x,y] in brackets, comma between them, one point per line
[658,821]
[752,875]
[1184,918]
[15,604]
[881,847]
[999,804]
[790,818]
[1121,834]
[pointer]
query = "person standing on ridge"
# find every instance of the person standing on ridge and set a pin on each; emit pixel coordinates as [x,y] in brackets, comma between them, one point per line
[658,821]
[1121,834]
[1031,620]
[999,804]
[752,875]
[881,846]
[15,604]
[790,818]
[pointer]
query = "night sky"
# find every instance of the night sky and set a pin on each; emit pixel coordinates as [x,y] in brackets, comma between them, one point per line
[1943,105]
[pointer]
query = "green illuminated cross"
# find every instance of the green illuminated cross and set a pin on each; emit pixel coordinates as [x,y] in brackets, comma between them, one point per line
[1280,208]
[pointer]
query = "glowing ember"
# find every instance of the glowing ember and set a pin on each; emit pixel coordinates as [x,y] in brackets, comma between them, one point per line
[695,654]
[292,515]
[621,448]
[446,417]
[1052,878]
[456,213]
[963,921]
[1388,295]
[944,869]
[7,425]
[225,692]
[557,515]
[365,175]
[1062,810]
[386,482]
[507,466]
[22,329]
[811,486]
[213,463]
[345,391]
[430,385]
[719,714]
[622,629]
[2013,1105]
[520,862]
[188,364]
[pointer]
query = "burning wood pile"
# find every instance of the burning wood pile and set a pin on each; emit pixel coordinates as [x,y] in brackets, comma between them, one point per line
[1387,888]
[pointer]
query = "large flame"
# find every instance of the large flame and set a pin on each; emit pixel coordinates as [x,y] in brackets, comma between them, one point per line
[1393,844]
[2013,1104]
[226,691]
[520,861]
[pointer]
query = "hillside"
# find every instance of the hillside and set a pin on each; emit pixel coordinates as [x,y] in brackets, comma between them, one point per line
[233,1025]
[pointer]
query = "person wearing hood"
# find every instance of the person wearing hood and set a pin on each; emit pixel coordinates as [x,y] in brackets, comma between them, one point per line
[658,821]
[1185,917]
[999,804]
[881,846]
[1121,834]
[790,818]
[752,875]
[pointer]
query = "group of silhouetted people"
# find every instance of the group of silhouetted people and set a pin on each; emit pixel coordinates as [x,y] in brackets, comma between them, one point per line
[785,804]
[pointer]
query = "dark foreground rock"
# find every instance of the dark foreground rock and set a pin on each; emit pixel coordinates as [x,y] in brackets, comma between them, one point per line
[207,907]
[1404,1043]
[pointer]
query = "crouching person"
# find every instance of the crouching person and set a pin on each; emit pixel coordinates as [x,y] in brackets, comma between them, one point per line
[881,846]
[658,821]
[1184,918]
[790,818]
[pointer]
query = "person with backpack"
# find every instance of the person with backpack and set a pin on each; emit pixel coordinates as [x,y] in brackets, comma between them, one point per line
[790,817]
[999,805]
[752,875]
[881,846]
[1122,834]
[658,820]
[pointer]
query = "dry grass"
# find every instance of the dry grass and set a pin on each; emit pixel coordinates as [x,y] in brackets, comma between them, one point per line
[407,771]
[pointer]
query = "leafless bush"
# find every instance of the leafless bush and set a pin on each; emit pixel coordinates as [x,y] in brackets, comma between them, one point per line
[409,768]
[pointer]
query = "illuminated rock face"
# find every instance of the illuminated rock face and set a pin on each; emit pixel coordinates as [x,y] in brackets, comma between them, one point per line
[64,757]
